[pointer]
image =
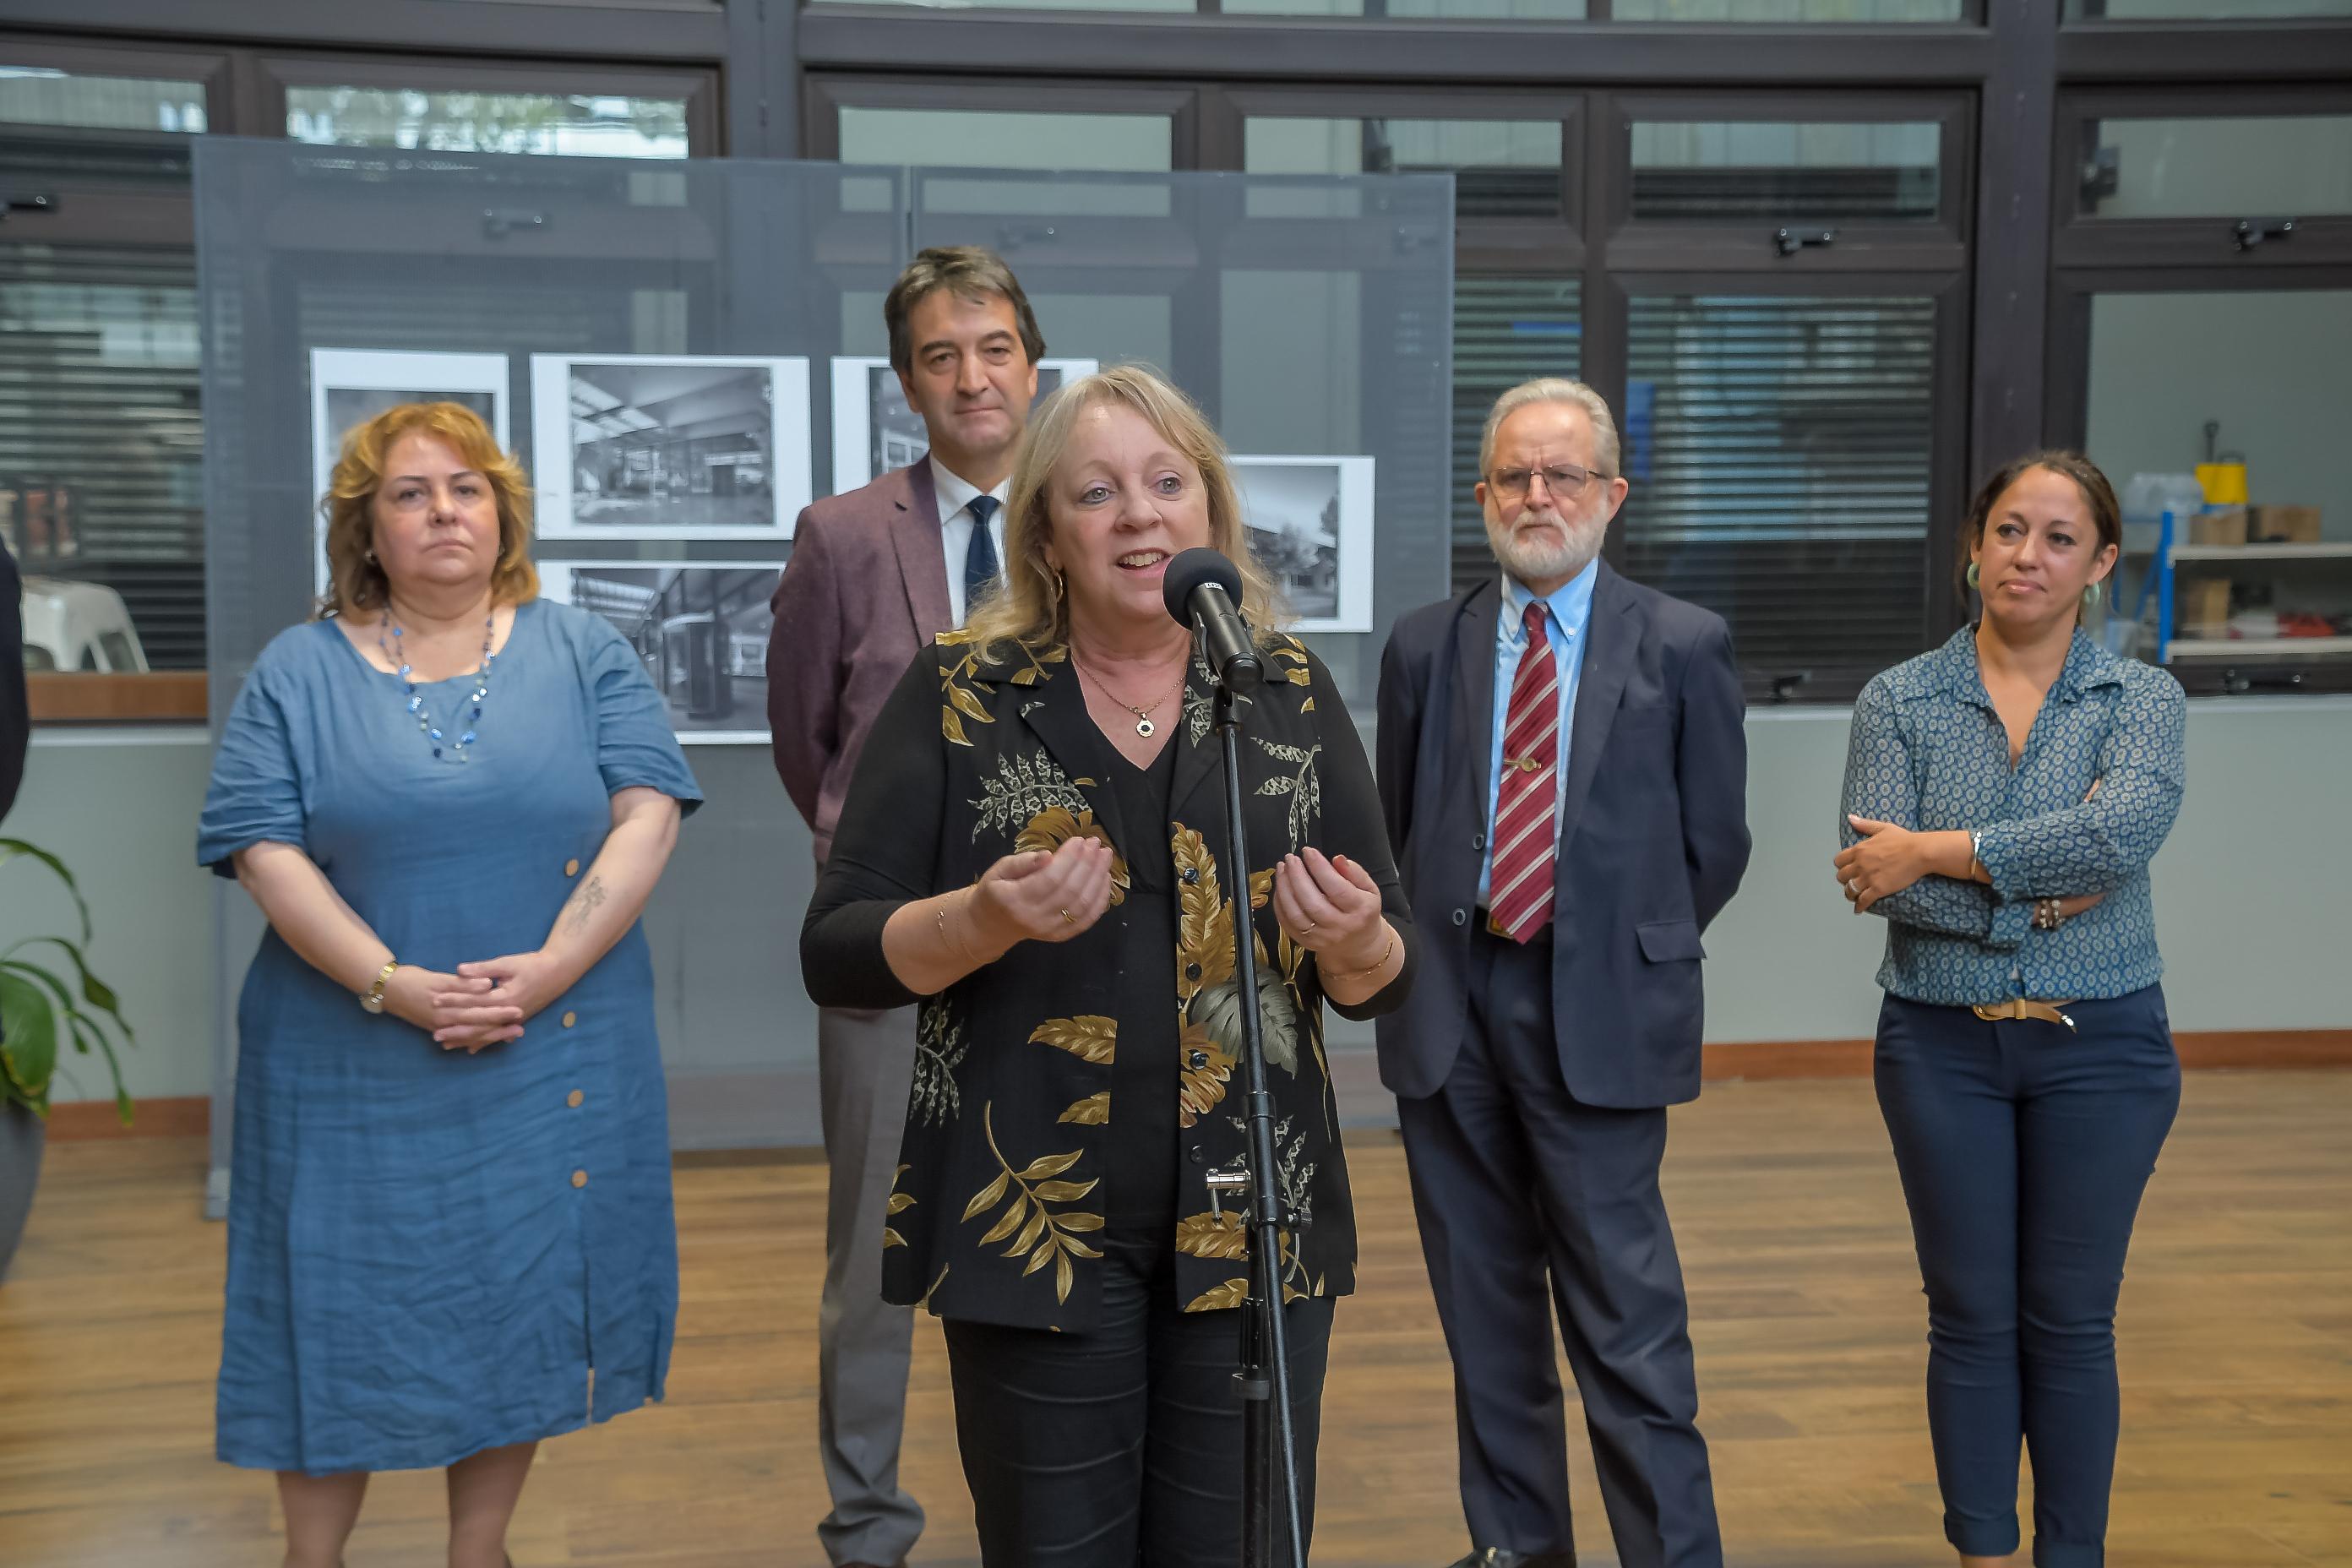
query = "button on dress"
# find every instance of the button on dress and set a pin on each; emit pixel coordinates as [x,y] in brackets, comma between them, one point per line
[432,1253]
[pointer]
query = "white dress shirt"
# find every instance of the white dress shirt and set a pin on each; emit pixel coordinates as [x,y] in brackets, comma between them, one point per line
[955,528]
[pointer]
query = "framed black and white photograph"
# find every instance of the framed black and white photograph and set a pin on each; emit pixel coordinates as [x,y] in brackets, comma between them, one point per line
[641,447]
[1310,525]
[702,632]
[876,430]
[349,386]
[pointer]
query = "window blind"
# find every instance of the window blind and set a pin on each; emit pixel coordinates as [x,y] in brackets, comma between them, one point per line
[101,438]
[1507,330]
[1779,453]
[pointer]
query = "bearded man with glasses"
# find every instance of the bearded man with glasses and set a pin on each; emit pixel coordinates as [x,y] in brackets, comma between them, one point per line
[1564,765]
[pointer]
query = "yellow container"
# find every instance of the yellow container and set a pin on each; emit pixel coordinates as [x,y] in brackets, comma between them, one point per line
[2225,483]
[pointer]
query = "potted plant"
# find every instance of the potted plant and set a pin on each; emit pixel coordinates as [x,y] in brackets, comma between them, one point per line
[39,1010]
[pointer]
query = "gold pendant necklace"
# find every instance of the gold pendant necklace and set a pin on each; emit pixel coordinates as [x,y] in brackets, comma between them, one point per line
[1143,724]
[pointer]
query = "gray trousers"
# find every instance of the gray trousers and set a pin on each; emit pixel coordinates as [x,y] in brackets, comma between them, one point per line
[864,1064]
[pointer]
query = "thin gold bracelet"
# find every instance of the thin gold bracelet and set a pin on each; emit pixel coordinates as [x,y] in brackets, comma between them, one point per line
[960,951]
[1388,953]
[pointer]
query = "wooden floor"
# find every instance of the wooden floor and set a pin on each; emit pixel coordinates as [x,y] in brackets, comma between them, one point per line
[2236,1327]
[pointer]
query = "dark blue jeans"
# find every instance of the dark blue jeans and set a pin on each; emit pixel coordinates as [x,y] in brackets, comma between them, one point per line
[2024,1148]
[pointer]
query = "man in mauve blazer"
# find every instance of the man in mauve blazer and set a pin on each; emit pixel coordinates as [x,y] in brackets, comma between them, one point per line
[1567,817]
[874,576]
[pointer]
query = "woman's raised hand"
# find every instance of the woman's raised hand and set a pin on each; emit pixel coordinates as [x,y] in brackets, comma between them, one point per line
[1331,907]
[1036,896]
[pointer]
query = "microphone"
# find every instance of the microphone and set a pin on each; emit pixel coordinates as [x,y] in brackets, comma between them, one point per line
[1201,588]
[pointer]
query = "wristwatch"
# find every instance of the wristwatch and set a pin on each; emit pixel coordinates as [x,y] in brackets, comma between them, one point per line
[372,1000]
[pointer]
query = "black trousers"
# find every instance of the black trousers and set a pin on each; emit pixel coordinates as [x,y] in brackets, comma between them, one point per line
[1122,1447]
[1531,1203]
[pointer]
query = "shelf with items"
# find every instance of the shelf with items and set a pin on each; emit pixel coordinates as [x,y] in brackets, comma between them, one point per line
[2182,583]
[2246,649]
[2255,554]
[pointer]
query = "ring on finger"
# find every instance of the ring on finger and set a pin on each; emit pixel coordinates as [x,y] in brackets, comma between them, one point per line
[1069,916]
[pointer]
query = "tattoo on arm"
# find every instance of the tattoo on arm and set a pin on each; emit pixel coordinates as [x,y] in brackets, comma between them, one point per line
[583,904]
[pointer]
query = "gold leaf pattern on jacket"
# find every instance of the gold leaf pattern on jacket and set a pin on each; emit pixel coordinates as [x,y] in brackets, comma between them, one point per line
[1223,1298]
[1214,1234]
[1094,1110]
[1089,1036]
[1200,1090]
[956,685]
[1031,1225]
[900,1203]
[1204,931]
[1057,825]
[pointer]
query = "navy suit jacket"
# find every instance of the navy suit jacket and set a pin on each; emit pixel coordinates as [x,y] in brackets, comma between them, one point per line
[1652,834]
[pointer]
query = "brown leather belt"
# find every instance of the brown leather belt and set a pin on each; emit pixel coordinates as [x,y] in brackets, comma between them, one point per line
[2018,1007]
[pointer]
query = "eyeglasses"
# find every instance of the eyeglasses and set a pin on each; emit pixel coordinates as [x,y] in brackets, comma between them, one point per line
[1562,479]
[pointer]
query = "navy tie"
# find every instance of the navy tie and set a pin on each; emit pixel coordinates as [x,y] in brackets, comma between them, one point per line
[980,556]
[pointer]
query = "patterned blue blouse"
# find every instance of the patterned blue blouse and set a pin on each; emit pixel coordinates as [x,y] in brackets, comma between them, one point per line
[1929,753]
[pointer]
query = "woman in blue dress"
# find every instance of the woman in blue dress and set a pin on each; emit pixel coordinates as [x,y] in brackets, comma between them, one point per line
[2004,795]
[450,1232]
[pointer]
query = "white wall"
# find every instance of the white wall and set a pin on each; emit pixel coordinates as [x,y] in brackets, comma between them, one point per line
[2275,368]
[2248,894]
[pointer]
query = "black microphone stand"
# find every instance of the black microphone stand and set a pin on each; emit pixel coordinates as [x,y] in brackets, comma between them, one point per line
[1269,1444]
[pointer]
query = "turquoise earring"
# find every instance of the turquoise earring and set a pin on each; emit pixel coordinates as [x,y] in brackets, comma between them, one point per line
[2092,596]
[1972,573]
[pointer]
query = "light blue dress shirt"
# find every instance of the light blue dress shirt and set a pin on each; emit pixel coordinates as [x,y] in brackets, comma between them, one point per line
[1930,752]
[1566,626]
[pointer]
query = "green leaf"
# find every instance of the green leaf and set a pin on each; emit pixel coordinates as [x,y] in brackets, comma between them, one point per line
[87,1026]
[28,1039]
[94,991]
[12,848]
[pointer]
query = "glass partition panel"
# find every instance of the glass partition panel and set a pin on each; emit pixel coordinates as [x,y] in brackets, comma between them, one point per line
[622,323]
[1779,449]
[576,124]
[35,95]
[2298,165]
[1773,170]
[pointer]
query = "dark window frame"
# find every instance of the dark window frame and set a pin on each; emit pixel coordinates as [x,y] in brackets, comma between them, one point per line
[1561,240]
[277,70]
[823,98]
[1948,455]
[2081,239]
[1874,246]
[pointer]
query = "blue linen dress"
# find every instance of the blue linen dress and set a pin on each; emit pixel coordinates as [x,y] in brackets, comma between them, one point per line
[432,1253]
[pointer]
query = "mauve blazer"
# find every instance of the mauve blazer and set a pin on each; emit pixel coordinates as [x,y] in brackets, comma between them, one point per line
[866,589]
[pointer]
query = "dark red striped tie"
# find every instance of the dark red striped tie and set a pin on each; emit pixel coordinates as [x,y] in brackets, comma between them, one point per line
[1519,890]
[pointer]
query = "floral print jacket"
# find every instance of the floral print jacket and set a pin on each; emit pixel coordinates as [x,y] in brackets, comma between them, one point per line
[995,1211]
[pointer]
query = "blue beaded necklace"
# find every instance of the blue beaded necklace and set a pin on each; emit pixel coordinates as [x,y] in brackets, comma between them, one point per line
[392,653]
